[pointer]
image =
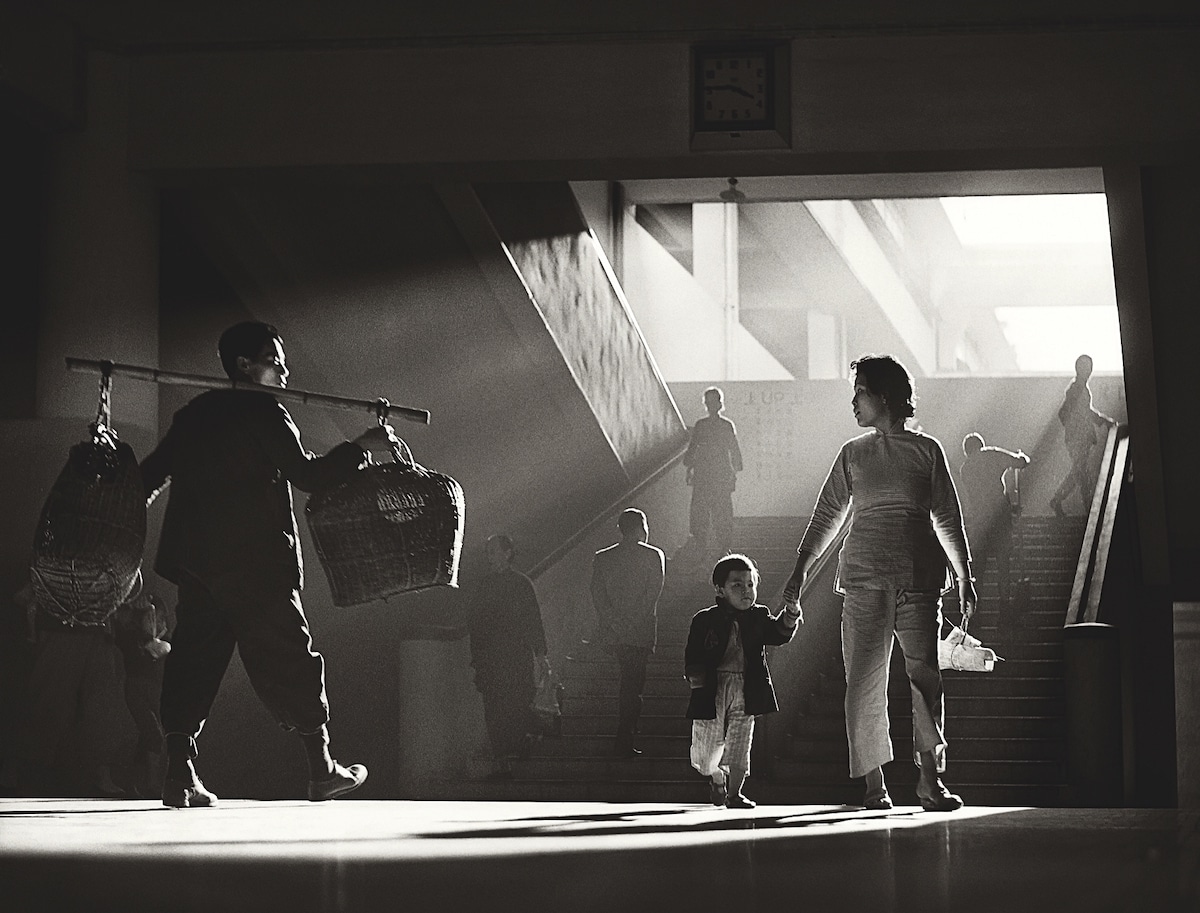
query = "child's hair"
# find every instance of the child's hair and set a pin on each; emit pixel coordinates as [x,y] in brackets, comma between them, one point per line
[731,563]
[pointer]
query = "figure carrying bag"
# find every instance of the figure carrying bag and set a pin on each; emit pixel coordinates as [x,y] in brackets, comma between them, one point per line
[391,528]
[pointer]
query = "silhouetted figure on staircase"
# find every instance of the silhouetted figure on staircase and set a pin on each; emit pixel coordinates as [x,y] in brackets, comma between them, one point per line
[627,579]
[1080,421]
[713,460]
[989,509]
[507,642]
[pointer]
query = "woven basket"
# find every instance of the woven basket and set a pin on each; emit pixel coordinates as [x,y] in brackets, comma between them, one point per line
[392,528]
[87,553]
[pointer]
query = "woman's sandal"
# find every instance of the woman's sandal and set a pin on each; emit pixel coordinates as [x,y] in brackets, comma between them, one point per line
[877,800]
[941,801]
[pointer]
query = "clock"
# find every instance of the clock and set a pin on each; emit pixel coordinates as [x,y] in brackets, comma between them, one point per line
[741,96]
[734,89]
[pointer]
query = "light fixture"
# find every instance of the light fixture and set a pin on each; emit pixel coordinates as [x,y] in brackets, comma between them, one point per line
[733,195]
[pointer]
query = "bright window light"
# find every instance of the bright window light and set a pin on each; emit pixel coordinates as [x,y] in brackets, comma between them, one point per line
[1037,333]
[1065,218]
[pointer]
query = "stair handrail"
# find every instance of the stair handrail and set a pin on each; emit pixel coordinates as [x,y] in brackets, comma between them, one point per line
[1088,586]
[568,544]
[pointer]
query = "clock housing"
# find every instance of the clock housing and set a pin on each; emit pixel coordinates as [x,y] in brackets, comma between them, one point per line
[740,96]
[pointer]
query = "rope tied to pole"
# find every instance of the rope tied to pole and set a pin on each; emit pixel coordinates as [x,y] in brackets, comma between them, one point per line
[103,424]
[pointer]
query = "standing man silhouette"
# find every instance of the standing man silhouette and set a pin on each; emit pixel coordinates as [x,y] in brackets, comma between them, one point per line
[1079,420]
[627,579]
[713,460]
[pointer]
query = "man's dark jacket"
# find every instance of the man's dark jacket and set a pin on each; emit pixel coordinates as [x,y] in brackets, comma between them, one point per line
[229,457]
[707,641]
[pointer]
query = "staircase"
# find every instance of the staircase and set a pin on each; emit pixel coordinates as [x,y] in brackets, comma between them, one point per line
[1006,728]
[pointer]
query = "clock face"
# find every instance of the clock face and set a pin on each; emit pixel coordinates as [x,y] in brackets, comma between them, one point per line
[734,90]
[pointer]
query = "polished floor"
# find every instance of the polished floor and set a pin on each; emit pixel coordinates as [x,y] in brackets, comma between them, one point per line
[98,855]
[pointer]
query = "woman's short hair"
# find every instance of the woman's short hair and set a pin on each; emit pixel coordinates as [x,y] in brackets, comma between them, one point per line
[246,340]
[731,563]
[885,376]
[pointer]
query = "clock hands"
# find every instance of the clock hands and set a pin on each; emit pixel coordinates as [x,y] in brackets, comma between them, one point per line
[731,87]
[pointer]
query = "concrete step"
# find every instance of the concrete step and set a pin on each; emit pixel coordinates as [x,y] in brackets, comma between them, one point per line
[964,684]
[652,746]
[962,748]
[652,704]
[960,771]
[959,726]
[956,705]
[604,723]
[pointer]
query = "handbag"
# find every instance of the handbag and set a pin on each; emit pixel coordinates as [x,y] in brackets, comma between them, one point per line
[961,652]
[547,704]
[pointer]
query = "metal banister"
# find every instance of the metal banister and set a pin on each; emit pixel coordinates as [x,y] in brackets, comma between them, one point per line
[1084,604]
[605,515]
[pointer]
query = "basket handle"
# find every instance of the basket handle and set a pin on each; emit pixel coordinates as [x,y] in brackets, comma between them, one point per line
[400,449]
[401,453]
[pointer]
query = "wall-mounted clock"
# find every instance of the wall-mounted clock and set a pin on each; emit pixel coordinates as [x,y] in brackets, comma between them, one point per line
[740,96]
[735,89]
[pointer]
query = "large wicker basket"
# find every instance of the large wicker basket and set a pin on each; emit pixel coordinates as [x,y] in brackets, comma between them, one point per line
[87,553]
[392,528]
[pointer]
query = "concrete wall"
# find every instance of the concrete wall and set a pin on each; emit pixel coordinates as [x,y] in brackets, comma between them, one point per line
[881,99]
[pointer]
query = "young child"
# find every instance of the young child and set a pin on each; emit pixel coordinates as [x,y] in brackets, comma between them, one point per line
[725,663]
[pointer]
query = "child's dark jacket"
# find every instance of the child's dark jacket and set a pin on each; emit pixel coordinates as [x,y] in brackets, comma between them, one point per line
[707,641]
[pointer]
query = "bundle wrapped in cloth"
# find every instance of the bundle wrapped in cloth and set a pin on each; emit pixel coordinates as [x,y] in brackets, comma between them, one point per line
[87,552]
[391,528]
[960,651]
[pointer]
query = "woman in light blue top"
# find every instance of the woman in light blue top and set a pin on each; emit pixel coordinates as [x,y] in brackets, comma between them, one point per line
[906,534]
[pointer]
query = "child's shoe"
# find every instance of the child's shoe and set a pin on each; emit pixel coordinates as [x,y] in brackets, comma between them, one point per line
[716,792]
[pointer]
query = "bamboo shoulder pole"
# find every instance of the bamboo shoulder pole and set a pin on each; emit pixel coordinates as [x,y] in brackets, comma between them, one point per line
[379,407]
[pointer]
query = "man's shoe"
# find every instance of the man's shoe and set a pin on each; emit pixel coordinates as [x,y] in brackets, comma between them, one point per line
[626,751]
[189,794]
[737,800]
[343,780]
